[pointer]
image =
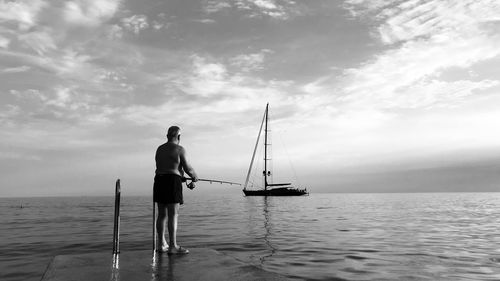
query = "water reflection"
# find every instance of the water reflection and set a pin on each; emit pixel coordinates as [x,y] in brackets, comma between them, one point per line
[115,268]
[268,230]
[163,267]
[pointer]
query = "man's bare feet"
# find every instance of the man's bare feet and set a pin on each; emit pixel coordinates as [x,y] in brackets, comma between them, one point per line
[178,250]
[163,248]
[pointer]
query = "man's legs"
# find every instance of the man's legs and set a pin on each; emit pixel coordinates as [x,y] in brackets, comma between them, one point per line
[173,213]
[160,227]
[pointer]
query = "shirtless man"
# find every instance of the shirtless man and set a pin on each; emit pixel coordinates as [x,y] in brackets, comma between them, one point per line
[171,163]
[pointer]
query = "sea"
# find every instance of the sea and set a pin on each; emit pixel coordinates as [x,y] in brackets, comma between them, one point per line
[384,236]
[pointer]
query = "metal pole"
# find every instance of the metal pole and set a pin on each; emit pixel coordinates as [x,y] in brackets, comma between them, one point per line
[116,228]
[265,148]
[154,224]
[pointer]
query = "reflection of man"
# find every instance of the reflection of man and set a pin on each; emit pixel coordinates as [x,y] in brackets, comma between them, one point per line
[171,163]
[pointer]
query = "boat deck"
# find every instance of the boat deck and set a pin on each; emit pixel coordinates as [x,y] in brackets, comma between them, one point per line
[199,264]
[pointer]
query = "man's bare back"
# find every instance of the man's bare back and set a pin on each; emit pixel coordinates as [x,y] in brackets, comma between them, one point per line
[171,159]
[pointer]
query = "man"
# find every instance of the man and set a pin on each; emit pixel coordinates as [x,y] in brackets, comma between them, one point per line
[171,163]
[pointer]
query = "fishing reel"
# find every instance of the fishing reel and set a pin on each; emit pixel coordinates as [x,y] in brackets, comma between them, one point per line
[190,185]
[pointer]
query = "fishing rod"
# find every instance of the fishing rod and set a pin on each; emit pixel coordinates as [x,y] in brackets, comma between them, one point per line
[212,181]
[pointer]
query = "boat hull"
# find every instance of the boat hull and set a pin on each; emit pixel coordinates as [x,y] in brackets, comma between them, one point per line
[285,191]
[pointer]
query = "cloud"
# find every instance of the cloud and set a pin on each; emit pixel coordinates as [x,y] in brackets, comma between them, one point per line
[9,155]
[135,23]
[72,63]
[73,78]
[114,32]
[62,99]
[55,107]
[24,13]
[90,12]
[435,93]
[276,9]
[214,6]
[205,21]
[209,94]
[18,69]
[4,42]
[40,41]
[431,37]
[209,78]
[250,62]
[407,20]
[265,4]
[416,62]
[51,38]
[270,8]
[411,21]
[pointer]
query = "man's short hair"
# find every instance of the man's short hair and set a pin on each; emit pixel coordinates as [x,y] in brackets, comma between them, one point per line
[173,132]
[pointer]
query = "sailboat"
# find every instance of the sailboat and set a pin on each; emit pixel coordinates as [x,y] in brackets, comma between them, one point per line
[270,189]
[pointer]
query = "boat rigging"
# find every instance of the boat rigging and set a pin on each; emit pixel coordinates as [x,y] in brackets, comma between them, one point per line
[280,189]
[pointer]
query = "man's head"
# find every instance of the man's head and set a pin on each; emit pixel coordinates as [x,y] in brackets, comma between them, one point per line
[173,133]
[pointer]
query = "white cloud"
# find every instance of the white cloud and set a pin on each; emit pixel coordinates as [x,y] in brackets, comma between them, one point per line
[214,6]
[427,94]
[410,21]
[397,104]
[62,98]
[359,8]
[9,155]
[7,113]
[204,70]
[250,62]
[74,63]
[23,12]
[317,86]
[407,20]
[157,25]
[208,78]
[243,5]
[265,4]
[433,37]
[115,32]
[414,62]
[40,41]
[18,69]
[271,9]
[281,10]
[135,23]
[4,42]
[360,121]
[65,64]
[90,12]
[205,21]
[60,104]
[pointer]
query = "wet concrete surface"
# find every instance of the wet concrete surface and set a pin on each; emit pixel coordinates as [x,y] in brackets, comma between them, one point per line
[199,264]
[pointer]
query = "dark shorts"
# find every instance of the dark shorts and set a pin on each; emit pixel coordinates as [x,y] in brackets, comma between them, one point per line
[167,189]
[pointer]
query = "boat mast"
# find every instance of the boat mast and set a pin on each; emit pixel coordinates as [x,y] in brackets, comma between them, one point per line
[254,151]
[265,149]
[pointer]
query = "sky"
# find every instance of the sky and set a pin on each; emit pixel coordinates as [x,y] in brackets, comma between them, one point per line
[366,96]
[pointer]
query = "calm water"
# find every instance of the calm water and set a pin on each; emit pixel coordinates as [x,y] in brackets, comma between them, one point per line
[432,236]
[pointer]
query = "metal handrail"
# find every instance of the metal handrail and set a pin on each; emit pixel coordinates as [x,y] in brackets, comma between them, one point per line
[116,228]
[154,226]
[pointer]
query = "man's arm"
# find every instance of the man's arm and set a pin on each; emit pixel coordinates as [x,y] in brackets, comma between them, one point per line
[181,171]
[184,165]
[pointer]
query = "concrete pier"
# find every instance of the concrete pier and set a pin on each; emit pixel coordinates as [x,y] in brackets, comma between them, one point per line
[199,264]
